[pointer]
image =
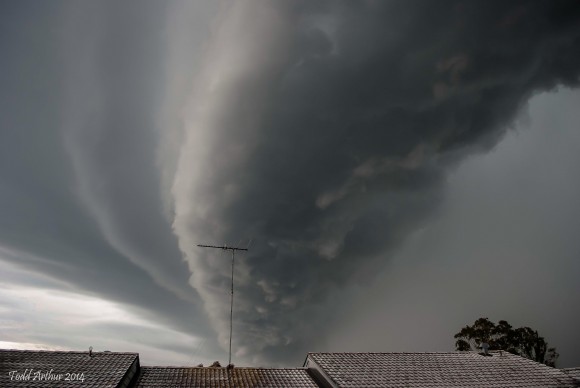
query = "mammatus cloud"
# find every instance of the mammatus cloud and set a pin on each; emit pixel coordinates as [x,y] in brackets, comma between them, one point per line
[323,131]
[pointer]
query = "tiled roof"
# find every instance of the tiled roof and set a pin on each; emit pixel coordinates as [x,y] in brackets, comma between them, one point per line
[456,369]
[36,369]
[175,377]
[572,372]
[39,368]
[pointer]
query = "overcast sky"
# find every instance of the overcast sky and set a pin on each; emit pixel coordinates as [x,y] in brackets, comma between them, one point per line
[398,169]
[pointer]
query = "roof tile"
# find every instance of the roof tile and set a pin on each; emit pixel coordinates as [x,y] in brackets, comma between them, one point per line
[572,372]
[182,377]
[454,369]
[41,368]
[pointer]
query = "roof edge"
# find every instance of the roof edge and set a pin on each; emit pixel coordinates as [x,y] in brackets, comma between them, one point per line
[318,373]
[66,351]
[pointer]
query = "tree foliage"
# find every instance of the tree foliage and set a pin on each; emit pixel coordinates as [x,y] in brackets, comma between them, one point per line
[522,341]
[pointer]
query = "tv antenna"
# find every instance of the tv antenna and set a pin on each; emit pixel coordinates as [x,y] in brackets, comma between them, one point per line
[233,249]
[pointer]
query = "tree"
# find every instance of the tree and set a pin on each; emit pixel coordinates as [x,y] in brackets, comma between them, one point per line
[522,341]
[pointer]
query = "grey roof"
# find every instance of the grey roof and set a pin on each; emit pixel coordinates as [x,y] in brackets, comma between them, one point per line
[455,369]
[572,372]
[181,377]
[21,368]
[103,369]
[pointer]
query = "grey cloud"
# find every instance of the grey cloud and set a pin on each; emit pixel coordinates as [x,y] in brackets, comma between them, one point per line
[111,136]
[503,245]
[80,83]
[325,133]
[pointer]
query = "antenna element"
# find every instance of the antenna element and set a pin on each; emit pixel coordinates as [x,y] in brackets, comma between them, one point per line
[233,249]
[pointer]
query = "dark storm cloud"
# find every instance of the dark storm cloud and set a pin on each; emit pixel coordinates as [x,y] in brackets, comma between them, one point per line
[323,132]
[320,130]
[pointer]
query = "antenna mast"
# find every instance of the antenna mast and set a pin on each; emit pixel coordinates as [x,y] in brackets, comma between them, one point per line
[233,249]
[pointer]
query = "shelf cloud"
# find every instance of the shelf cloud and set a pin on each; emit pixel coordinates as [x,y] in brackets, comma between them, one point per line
[323,131]
[321,134]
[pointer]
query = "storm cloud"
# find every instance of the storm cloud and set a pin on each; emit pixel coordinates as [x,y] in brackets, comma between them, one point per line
[323,133]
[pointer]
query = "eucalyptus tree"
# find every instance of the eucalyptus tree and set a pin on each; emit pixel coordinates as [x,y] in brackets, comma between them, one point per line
[522,341]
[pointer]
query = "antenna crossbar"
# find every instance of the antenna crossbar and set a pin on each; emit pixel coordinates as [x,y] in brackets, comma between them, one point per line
[224,247]
[233,249]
